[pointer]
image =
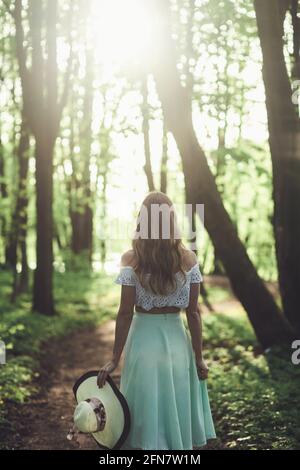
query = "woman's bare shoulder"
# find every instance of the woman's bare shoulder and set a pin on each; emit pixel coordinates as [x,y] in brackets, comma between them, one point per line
[128,258]
[189,259]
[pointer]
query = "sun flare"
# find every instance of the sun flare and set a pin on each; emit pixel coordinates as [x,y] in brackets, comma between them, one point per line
[121,30]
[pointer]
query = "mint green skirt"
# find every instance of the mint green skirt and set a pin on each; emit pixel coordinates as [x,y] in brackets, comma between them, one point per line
[169,405]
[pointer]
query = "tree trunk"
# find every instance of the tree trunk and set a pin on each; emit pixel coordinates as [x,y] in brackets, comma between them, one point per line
[42,291]
[81,210]
[82,231]
[262,310]
[164,161]
[296,40]
[24,277]
[284,140]
[43,109]
[3,194]
[19,223]
[103,218]
[146,131]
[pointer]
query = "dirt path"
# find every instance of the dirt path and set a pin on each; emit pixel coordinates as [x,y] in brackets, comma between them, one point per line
[43,423]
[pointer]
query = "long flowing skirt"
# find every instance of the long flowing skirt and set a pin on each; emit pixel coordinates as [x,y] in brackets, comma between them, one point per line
[169,405]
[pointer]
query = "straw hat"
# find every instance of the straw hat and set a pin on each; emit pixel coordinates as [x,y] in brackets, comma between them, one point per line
[102,412]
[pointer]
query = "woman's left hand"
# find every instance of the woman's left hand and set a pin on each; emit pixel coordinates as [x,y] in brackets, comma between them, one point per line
[202,369]
[104,371]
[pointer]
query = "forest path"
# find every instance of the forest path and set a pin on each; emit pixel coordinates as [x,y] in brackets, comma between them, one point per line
[44,421]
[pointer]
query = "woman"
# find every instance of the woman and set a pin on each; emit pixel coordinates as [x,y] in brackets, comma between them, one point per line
[163,377]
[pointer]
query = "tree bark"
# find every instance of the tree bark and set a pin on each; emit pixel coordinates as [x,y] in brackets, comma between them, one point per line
[19,223]
[260,306]
[296,40]
[43,289]
[4,195]
[81,208]
[164,161]
[43,110]
[146,132]
[284,141]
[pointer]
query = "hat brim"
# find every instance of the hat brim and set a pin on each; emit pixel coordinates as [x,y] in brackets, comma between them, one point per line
[86,387]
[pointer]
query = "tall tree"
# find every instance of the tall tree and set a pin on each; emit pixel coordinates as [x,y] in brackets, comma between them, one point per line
[4,196]
[284,141]
[164,160]
[262,310]
[43,109]
[294,9]
[4,193]
[81,208]
[20,216]
[146,134]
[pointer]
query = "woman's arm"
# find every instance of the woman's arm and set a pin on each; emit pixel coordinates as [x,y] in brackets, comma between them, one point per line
[123,323]
[195,327]
[124,319]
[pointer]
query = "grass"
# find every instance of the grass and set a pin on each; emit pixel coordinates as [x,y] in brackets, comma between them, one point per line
[217,294]
[254,398]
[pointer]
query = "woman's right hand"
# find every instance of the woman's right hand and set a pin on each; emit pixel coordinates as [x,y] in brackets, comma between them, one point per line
[105,371]
[202,369]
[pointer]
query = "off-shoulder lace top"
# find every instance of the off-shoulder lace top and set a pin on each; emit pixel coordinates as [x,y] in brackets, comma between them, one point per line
[148,300]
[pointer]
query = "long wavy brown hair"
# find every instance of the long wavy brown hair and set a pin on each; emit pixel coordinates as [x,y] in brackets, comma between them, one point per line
[157,247]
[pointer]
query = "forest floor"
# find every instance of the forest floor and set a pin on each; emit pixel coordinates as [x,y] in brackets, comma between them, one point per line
[254,396]
[43,421]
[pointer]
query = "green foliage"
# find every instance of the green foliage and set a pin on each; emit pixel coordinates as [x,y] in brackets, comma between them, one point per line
[255,398]
[250,205]
[217,294]
[15,378]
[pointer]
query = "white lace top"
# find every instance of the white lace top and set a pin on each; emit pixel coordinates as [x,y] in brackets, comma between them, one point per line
[148,300]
